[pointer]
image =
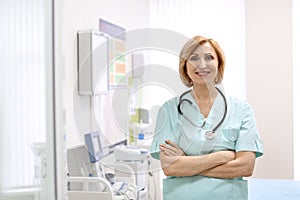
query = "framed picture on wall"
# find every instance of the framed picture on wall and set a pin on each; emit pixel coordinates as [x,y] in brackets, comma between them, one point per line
[118,61]
[118,64]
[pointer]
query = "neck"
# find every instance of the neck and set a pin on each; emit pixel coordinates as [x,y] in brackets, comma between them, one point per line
[204,93]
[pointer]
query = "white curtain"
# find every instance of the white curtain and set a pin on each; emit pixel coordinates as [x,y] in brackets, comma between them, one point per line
[222,20]
[23,89]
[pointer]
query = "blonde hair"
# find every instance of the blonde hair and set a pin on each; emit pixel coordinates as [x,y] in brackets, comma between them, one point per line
[189,48]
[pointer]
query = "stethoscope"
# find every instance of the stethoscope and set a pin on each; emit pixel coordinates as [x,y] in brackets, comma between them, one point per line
[208,134]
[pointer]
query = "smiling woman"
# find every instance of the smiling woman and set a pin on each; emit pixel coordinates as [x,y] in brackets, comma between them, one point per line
[209,160]
[250,71]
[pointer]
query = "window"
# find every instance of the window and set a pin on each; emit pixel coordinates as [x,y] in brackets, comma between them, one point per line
[24,78]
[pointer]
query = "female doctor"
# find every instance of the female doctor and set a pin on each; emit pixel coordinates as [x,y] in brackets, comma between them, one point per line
[206,142]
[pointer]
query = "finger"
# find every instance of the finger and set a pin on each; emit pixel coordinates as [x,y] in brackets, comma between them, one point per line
[170,152]
[169,142]
[169,148]
[174,147]
[167,151]
[177,149]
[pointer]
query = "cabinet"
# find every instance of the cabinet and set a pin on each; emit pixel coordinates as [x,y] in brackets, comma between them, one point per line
[92,62]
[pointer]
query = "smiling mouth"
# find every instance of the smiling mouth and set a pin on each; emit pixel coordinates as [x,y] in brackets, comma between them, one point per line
[202,73]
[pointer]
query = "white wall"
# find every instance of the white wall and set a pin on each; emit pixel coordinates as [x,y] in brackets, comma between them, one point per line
[296,85]
[222,20]
[270,83]
[83,15]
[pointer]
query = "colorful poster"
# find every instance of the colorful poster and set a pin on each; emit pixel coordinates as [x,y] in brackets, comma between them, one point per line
[118,69]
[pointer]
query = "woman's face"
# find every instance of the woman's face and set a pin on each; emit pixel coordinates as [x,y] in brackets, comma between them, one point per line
[202,65]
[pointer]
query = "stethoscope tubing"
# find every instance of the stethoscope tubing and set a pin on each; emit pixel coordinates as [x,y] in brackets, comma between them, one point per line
[181,100]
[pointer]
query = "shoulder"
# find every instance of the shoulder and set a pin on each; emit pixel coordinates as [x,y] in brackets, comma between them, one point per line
[238,103]
[240,107]
[171,103]
[168,110]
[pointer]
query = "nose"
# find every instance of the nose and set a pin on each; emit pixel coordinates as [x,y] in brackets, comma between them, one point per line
[200,64]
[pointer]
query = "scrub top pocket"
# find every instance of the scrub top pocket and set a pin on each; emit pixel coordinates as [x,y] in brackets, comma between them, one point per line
[229,137]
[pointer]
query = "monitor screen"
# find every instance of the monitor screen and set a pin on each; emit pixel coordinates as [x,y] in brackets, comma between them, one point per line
[94,147]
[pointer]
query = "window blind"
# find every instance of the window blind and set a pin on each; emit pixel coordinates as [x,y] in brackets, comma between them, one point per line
[23,89]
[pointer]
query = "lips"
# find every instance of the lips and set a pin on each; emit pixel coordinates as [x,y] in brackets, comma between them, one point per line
[202,73]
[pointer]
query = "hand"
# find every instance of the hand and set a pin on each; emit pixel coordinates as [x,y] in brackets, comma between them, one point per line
[171,149]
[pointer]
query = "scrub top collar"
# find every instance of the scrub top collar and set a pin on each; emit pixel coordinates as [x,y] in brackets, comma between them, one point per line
[215,114]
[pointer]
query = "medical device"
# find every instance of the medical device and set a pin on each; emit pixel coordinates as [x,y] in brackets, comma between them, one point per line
[130,153]
[89,177]
[208,134]
[94,146]
[83,160]
[136,158]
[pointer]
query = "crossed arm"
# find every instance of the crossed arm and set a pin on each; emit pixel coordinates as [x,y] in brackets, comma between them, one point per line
[222,164]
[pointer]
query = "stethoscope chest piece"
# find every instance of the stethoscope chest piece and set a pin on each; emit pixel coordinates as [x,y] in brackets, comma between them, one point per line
[209,135]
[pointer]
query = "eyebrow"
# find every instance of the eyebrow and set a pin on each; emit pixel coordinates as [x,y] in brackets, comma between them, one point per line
[204,54]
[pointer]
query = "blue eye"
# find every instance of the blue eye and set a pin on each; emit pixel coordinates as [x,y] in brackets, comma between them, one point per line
[194,58]
[208,58]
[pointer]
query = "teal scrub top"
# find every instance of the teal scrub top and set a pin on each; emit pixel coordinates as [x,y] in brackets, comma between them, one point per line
[238,132]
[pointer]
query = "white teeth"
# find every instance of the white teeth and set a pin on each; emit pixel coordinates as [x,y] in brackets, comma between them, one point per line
[201,72]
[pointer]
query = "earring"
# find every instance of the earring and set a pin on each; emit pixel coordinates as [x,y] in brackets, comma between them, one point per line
[216,80]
